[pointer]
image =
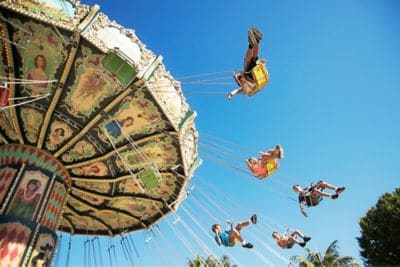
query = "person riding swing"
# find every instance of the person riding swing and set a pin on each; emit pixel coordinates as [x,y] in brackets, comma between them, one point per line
[312,195]
[266,164]
[231,236]
[288,240]
[254,75]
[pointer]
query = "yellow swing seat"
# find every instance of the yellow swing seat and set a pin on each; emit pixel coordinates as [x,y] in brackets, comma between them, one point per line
[271,166]
[260,75]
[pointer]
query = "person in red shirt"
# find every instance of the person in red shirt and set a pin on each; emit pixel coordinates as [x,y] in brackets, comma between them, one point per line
[288,240]
[266,164]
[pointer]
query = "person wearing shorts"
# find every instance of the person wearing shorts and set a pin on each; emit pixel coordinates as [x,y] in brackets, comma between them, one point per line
[287,241]
[312,195]
[230,237]
[244,78]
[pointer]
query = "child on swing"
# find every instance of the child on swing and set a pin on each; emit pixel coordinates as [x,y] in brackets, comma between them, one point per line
[230,237]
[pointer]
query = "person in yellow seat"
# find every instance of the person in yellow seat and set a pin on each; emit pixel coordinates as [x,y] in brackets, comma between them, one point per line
[266,164]
[244,78]
[288,240]
[230,237]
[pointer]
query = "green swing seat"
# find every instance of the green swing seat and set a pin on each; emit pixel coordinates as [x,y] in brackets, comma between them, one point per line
[123,70]
[149,179]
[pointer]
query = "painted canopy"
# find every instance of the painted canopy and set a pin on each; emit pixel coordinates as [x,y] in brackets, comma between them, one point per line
[104,105]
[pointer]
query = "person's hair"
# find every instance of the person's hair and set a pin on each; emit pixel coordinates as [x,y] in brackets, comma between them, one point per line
[37,183]
[62,131]
[44,60]
[293,187]
[128,118]
[274,233]
[214,227]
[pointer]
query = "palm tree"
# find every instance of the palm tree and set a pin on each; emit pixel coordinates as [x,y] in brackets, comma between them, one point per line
[210,262]
[329,258]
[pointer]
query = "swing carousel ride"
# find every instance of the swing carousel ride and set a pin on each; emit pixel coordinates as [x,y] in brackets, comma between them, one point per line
[89,143]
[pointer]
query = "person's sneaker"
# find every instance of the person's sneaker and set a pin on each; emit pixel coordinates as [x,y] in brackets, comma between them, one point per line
[253,219]
[340,190]
[252,39]
[306,239]
[247,245]
[302,244]
[229,96]
[335,196]
[257,33]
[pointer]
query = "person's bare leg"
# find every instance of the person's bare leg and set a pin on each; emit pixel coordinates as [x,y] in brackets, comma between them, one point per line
[297,233]
[292,240]
[250,54]
[324,184]
[265,157]
[236,235]
[255,51]
[240,225]
[247,58]
[317,192]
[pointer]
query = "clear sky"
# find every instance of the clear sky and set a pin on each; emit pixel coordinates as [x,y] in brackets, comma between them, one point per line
[332,103]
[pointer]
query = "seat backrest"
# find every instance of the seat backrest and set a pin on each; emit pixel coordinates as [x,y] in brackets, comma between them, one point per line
[120,67]
[260,76]
[149,178]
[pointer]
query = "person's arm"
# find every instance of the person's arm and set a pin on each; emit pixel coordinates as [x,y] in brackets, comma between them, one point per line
[249,165]
[218,240]
[266,153]
[302,209]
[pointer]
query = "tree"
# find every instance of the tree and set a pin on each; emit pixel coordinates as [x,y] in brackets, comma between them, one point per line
[210,262]
[380,231]
[330,258]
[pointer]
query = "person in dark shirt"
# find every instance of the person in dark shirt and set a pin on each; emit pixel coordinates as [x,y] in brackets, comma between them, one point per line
[312,195]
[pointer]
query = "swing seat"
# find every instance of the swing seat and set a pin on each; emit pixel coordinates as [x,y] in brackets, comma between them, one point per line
[260,75]
[149,179]
[271,166]
[4,97]
[123,70]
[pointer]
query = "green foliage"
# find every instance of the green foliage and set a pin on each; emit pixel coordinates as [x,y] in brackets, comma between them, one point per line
[380,231]
[210,262]
[330,258]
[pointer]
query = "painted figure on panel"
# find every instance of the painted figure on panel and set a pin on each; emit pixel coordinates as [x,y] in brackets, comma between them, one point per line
[26,200]
[95,169]
[114,127]
[58,135]
[38,73]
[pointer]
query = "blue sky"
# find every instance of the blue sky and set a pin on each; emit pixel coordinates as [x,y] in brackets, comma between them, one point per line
[332,103]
